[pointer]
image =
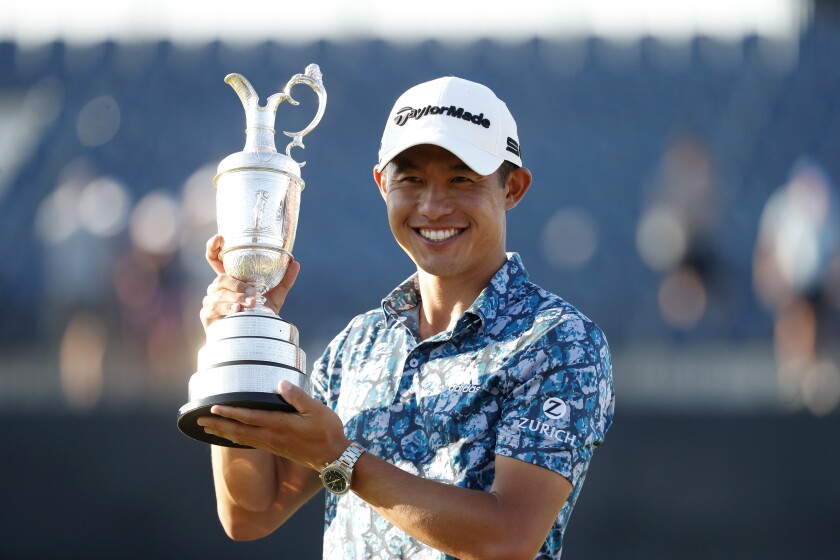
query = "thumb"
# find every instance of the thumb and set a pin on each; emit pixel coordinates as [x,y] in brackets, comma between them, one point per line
[214,246]
[295,396]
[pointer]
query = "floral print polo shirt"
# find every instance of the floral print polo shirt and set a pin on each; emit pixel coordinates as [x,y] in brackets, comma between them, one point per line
[522,374]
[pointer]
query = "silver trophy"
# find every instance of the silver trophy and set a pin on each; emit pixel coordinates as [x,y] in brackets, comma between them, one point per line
[257,202]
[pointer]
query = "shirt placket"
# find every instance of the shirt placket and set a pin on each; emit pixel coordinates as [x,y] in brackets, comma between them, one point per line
[414,360]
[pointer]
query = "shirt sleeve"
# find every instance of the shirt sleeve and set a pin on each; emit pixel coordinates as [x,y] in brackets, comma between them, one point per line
[561,400]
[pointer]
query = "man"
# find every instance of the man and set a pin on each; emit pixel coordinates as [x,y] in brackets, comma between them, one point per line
[463,413]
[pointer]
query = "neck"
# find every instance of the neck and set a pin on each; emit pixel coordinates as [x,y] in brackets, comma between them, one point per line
[444,299]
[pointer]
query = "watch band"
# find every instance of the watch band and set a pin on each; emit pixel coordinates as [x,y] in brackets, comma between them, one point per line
[350,456]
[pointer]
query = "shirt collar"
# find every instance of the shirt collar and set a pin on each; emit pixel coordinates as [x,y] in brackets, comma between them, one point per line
[505,287]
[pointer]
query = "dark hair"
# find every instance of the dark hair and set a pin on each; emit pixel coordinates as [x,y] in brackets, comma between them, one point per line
[505,170]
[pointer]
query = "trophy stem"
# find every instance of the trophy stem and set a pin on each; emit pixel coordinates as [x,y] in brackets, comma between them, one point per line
[260,307]
[261,291]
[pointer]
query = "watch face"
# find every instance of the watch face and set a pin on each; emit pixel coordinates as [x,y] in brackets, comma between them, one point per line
[335,480]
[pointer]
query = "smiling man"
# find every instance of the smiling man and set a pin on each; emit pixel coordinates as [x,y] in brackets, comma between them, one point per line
[460,417]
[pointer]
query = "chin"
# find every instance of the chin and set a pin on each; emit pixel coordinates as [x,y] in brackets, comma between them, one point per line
[439,269]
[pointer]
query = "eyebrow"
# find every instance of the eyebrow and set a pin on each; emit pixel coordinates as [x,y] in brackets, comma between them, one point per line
[407,165]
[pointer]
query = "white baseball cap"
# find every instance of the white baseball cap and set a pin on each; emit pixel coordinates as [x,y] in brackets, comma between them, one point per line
[463,117]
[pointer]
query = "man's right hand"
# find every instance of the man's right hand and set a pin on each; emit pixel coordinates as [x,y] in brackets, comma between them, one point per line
[227,295]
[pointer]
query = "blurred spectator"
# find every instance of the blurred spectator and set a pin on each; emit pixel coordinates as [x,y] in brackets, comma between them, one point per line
[674,235]
[795,274]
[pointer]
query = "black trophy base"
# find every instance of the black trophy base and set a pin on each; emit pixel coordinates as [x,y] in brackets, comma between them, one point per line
[193,410]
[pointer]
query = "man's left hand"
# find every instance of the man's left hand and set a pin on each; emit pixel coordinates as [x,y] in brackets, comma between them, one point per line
[313,436]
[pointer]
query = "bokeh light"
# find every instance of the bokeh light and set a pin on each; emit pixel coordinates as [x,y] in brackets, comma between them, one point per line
[569,238]
[682,298]
[199,196]
[661,239]
[81,354]
[24,117]
[199,209]
[821,388]
[44,101]
[57,217]
[103,207]
[99,121]
[155,223]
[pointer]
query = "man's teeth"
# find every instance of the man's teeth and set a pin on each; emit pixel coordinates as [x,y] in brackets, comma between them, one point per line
[438,234]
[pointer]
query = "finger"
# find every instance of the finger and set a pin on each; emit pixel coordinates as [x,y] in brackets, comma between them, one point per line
[277,295]
[223,282]
[214,422]
[223,298]
[247,416]
[223,303]
[232,430]
[291,275]
[214,247]
[295,396]
[225,291]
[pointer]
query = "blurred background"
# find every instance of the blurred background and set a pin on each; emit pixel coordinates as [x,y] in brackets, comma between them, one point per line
[686,158]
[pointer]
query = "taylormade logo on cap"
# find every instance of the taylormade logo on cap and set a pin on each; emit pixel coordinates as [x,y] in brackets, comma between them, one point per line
[452,111]
[463,117]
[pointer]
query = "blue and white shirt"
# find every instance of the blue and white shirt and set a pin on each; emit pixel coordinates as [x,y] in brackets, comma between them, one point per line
[522,374]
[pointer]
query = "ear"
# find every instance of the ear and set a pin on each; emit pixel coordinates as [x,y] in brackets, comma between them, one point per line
[517,185]
[379,178]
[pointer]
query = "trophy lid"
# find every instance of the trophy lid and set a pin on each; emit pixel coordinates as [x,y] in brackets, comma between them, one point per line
[260,152]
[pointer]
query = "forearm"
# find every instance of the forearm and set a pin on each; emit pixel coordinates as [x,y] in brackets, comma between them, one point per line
[245,479]
[246,483]
[464,523]
[256,491]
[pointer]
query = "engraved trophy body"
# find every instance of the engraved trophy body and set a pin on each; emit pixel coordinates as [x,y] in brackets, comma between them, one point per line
[257,203]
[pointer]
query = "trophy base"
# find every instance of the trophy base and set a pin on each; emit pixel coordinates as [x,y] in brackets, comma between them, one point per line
[193,410]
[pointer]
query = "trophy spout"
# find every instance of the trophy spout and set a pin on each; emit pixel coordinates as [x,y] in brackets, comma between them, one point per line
[260,121]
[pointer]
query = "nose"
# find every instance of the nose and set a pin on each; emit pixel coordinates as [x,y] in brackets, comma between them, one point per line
[435,201]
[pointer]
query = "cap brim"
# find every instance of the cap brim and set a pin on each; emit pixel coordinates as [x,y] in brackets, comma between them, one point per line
[477,159]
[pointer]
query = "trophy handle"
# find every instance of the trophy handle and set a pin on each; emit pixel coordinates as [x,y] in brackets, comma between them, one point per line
[313,78]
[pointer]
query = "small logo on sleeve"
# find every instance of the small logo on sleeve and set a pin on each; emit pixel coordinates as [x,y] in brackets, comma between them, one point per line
[554,408]
[552,432]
